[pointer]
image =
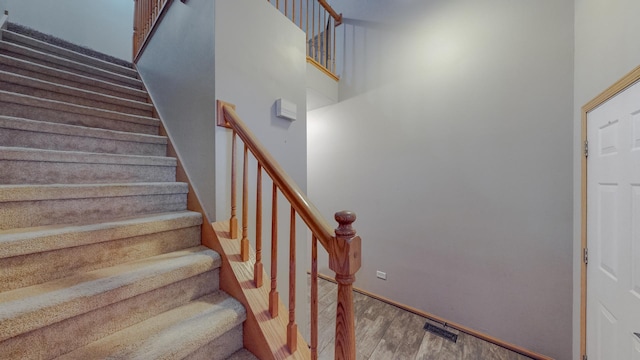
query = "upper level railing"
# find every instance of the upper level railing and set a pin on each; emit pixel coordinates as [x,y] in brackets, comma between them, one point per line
[315,17]
[146,14]
[342,245]
[318,20]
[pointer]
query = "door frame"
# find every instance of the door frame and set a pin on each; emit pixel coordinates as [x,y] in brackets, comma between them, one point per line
[621,85]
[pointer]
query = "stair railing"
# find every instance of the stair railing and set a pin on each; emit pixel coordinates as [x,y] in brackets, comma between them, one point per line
[319,20]
[342,245]
[146,14]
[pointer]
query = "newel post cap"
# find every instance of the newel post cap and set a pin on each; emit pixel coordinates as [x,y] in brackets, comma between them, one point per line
[345,218]
[345,254]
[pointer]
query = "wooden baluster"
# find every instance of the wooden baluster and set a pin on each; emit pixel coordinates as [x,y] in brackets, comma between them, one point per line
[233,222]
[345,260]
[141,21]
[144,19]
[257,268]
[244,243]
[292,327]
[314,298]
[143,24]
[307,29]
[273,295]
[293,11]
[324,39]
[317,58]
[286,8]
[278,5]
[313,28]
[333,54]
[135,28]
[147,13]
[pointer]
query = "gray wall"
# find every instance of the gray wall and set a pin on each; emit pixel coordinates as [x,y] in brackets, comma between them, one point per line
[102,25]
[177,67]
[606,49]
[255,66]
[453,144]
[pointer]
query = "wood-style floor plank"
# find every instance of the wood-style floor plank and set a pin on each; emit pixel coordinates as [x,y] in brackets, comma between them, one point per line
[385,332]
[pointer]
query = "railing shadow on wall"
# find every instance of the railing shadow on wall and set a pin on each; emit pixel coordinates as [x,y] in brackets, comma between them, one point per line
[343,246]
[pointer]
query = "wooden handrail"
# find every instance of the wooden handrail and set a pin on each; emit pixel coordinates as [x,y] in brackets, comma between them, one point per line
[291,191]
[343,248]
[337,17]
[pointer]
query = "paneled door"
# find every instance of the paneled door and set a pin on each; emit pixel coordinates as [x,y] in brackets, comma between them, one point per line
[613,228]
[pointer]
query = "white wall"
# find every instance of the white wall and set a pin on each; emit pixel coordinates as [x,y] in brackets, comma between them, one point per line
[453,144]
[255,66]
[177,67]
[102,25]
[606,49]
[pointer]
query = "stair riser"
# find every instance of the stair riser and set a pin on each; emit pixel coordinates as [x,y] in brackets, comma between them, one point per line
[68,211]
[65,336]
[40,172]
[44,59]
[85,99]
[90,119]
[37,268]
[220,348]
[45,47]
[50,141]
[72,80]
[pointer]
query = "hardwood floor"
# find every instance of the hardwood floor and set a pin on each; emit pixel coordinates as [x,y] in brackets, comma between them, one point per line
[385,332]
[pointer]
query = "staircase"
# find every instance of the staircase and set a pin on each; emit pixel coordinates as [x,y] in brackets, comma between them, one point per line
[99,256]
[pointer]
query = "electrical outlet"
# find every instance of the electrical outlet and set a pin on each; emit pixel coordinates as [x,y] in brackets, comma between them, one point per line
[381,275]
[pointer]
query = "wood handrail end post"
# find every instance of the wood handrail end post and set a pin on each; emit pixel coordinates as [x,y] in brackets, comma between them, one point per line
[220,117]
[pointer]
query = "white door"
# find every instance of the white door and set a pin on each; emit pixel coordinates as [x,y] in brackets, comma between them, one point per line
[613,228]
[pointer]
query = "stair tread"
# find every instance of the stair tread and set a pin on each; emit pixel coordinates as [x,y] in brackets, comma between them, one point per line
[59,73]
[123,273]
[67,53]
[78,130]
[75,108]
[15,242]
[33,53]
[45,155]
[26,192]
[29,308]
[171,335]
[69,90]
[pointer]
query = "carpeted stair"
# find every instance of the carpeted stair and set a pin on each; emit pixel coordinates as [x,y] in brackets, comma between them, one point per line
[99,256]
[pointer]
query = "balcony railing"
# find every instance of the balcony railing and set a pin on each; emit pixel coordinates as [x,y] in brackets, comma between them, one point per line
[315,17]
[319,21]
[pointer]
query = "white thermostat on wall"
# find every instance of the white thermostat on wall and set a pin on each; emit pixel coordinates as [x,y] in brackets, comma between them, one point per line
[286,109]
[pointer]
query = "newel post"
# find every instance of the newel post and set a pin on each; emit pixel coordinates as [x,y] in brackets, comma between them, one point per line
[345,260]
